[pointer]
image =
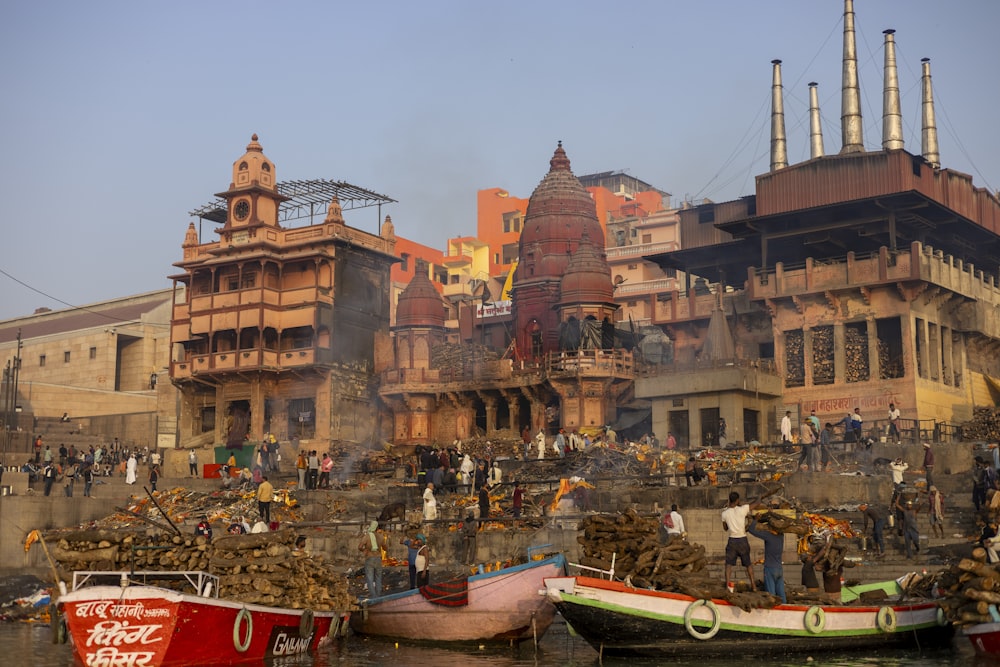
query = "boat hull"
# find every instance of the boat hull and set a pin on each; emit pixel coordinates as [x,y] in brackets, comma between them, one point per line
[985,638]
[617,620]
[503,606]
[147,625]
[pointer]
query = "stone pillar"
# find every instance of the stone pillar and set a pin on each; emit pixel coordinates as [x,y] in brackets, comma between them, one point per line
[807,355]
[947,357]
[874,368]
[839,353]
[256,410]
[514,410]
[923,360]
[490,404]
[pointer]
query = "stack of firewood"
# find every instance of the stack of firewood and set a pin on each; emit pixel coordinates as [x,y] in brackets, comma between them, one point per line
[795,370]
[260,568]
[639,559]
[985,425]
[822,355]
[856,355]
[971,587]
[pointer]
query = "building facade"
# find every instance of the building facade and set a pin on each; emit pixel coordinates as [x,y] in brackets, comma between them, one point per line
[282,330]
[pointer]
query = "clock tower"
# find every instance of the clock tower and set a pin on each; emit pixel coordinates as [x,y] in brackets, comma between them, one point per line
[252,197]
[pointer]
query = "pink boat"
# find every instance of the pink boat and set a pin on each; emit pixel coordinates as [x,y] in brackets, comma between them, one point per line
[134,622]
[499,606]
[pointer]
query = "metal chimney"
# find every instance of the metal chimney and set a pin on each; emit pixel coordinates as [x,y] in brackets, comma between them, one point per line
[928,133]
[852,136]
[892,117]
[779,152]
[815,127]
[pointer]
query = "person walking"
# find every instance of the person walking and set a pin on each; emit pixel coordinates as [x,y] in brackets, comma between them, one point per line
[154,477]
[88,480]
[265,495]
[470,527]
[430,503]
[935,503]
[193,463]
[806,442]
[301,465]
[484,503]
[893,430]
[929,464]
[911,534]
[423,562]
[130,469]
[878,516]
[371,546]
[734,519]
[824,446]
[412,545]
[774,545]
[786,431]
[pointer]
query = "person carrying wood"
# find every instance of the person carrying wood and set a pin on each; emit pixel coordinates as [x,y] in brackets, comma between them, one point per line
[774,545]
[373,542]
[734,522]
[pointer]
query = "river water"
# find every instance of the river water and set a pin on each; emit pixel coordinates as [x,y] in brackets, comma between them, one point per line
[31,644]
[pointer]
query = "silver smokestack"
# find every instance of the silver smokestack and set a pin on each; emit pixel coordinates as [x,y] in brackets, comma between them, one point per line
[852,136]
[779,152]
[928,133]
[815,127]
[892,117]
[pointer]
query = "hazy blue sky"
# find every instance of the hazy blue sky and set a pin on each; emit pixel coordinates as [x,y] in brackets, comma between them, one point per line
[118,118]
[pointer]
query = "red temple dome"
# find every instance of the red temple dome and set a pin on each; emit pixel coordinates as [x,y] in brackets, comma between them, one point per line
[420,304]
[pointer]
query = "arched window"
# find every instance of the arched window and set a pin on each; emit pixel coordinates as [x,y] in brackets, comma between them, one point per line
[244,166]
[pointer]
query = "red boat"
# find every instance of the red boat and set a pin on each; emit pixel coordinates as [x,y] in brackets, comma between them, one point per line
[985,638]
[174,619]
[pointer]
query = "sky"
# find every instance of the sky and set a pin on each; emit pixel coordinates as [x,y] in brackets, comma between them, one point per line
[118,118]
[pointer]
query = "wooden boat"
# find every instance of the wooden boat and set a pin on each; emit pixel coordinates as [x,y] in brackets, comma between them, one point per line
[617,619]
[172,619]
[499,606]
[985,638]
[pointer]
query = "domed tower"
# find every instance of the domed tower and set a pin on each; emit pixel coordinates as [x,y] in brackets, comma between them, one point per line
[420,321]
[560,213]
[586,293]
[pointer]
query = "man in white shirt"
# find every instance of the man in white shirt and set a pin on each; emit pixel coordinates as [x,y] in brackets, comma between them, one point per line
[893,423]
[734,522]
[786,430]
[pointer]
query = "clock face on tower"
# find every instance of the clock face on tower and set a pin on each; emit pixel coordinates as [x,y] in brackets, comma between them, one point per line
[241,210]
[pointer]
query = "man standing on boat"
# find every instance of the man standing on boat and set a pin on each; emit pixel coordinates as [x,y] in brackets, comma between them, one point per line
[372,544]
[734,521]
[774,545]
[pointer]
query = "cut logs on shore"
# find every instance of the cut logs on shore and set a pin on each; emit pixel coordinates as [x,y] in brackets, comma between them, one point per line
[970,587]
[259,568]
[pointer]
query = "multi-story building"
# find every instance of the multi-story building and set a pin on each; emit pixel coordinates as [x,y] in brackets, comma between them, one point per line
[281,330]
[847,281]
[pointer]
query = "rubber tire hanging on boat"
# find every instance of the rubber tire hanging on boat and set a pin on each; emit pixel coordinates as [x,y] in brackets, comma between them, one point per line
[241,646]
[885,619]
[815,619]
[306,623]
[716,619]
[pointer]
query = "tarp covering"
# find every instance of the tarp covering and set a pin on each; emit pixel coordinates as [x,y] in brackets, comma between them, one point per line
[451,593]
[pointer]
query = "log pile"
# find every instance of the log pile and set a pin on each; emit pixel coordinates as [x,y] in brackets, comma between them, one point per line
[795,370]
[639,559]
[822,355]
[971,587]
[260,568]
[985,425]
[856,368]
